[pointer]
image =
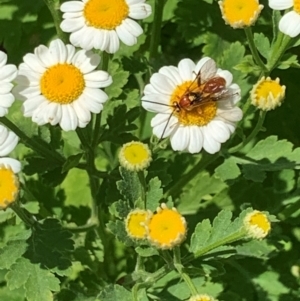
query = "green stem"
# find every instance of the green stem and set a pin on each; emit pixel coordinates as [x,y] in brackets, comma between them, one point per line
[142,180]
[156,29]
[278,50]
[240,234]
[184,276]
[24,215]
[255,54]
[175,190]
[260,121]
[96,132]
[53,6]
[32,143]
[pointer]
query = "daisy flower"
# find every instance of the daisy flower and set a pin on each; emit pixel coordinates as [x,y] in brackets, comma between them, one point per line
[60,85]
[187,110]
[240,13]
[7,74]
[135,223]
[166,228]
[289,24]
[135,156]
[267,94]
[202,297]
[257,224]
[8,141]
[100,24]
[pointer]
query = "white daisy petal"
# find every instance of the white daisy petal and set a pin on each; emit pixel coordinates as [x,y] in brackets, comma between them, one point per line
[8,141]
[5,88]
[133,27]
[114,42]
[8,73]
[280,4]
[290,24]
[125,36]
[101,39]
[180,139]
[14,164]
[192,127]
[34,63]
[3,58]
[66,92]
[140,11]
[196,140]
[71,25]
[186,68]
[72,6]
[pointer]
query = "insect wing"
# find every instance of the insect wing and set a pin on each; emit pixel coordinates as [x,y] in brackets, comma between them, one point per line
[207,71]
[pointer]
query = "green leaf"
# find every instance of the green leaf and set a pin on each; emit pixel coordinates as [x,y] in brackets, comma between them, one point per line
[114,293]
[118,229]
[247,65]
[146,251]
[14,249]
[119,209]
[71,162]
[255,248]
[154,194]
[206,234]
[228,170]
[38,165]
[288,60]
[130,187]
[262,44]
[38,283]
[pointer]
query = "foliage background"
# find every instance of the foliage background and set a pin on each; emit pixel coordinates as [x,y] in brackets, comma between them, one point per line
[190,28]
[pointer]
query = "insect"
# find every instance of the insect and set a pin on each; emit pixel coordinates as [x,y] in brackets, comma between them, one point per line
[206,88]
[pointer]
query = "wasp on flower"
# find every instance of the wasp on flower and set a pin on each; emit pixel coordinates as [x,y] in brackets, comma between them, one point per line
[195,105]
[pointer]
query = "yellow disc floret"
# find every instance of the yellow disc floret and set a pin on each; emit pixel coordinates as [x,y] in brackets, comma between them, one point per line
[135,223]
[105,14]
[202,297]
[240,13]
[62,83]
[199,115]
[267,94]
[297,6]
[9,187]
[166,228]
[135,156]
[257,224]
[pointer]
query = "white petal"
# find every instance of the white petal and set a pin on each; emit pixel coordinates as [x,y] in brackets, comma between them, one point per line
[196,139]
[164,125]
[30,105]
[95,94]
[53,113]
[6,100]
[14,164]
[162,84]
[44,55]
[97,79]
[233,115]
[219,131]
[158,103]
[172,74]
[209,143]
[3,58]
[180,138]
[72,25]
[70,53]
[290,24]
[8,73]
[34,63]
[39,113]
[69,120]
[72,6]
[133,27]
[125,36]
[114,42]
[83,114]
[9,143]
[101,39]
[280,4]
[86,61]
[140,11]
[132,2]
[186,68]
[93,105]
[5,88]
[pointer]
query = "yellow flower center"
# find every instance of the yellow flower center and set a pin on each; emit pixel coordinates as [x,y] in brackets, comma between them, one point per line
[166,227]
[200,115]
[136,153]
[266,87]
[62,83]
[297,6]
[236,11]
[134,224]
[105,14]
[260,220]
[9,187]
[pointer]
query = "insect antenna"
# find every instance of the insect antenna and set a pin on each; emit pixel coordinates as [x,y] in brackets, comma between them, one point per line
[169,118]
[158,103]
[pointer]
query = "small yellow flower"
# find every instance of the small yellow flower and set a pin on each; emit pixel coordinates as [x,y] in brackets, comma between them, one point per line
[135,223]
[202,297]
[257,224]
[267,94]
[9,187]
[135,156]
[240,13]
[166,228]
